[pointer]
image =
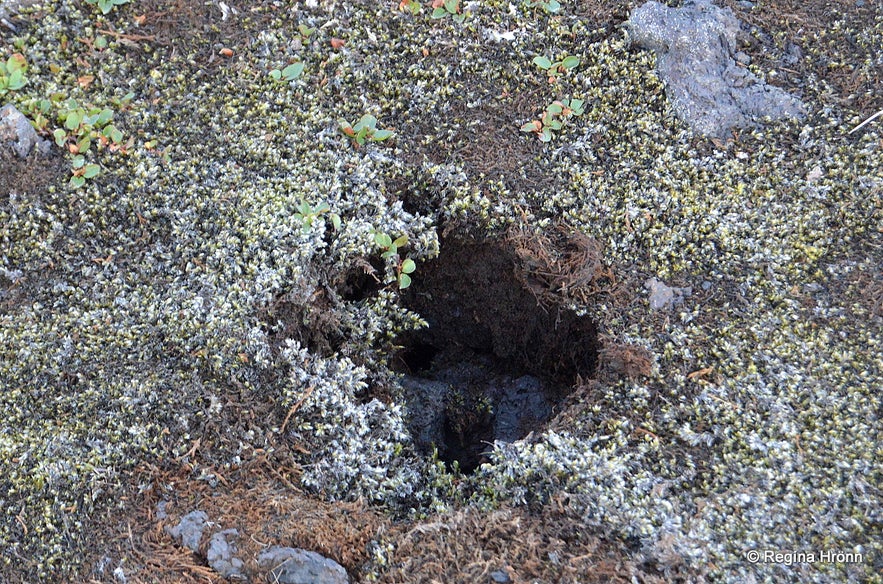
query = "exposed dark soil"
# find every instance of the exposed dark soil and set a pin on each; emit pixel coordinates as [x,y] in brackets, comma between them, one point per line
[475,304]
[499,356]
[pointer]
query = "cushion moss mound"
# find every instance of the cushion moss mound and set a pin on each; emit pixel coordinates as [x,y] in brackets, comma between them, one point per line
[138,324]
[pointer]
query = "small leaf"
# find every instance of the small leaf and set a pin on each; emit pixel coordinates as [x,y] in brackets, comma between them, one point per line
[381,135]
[365,122]
[534,126]
[60,136]
[116,136]
[275,74]
[78,161]
[16,80]
[335,221]
[73,120]
[77,181]
[293,71]
[408,266]
[401,241]
[16,62]
[388,254]
[346,128]
[452,6]
[556,107]
[542,62]
[570,62]
[105,116]
[383,240]
[552,6]
[91,171]
[100,42]
[546,135]
[305,31]
[439,12]
[404,281]
[84,144]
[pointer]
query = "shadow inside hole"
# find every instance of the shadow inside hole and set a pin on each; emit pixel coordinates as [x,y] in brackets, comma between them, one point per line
[494,363]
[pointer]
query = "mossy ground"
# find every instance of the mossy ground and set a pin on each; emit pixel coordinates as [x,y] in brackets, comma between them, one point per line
[143,316]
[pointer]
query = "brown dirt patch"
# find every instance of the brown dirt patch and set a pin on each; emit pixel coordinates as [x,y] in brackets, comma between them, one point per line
[29,177]
[258,499]
[552,545]
[857,87]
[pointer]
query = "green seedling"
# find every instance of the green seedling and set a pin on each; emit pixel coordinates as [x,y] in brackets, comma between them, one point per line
[554,117]
[306,215]
[107,5]
[365,130]
[77,129]
[82,171]
[412,6]
[305,31]
[452,8]
[404,267]
[12,73]
[550,6]
[289,73]
[556,68]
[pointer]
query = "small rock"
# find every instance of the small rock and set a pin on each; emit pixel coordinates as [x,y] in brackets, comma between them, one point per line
[189,530]
[663,296]
[220,555]
[16,129]
[500,577]
[296,566]
[815,174]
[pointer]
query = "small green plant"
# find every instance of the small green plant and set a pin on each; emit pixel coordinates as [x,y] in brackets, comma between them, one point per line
[452,8]
[365,130]
[289,73]
[404,267]
[412,6]
[82,171]
[554,117]
[305,31]
[78,127]
[107,5]
[306,215]
[555,68]
[550,6]
[12,73]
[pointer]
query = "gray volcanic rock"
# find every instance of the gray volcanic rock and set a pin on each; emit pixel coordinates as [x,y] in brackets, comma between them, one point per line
[296,566]
[696,57]
[17,130]
[189,530]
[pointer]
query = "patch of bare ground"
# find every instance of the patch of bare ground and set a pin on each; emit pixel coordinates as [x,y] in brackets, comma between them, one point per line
[550,545]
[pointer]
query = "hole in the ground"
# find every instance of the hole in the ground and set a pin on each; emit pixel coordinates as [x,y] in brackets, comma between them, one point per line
[494,362]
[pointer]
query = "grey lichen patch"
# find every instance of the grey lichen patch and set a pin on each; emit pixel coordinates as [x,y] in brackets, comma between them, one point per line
[141,329]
